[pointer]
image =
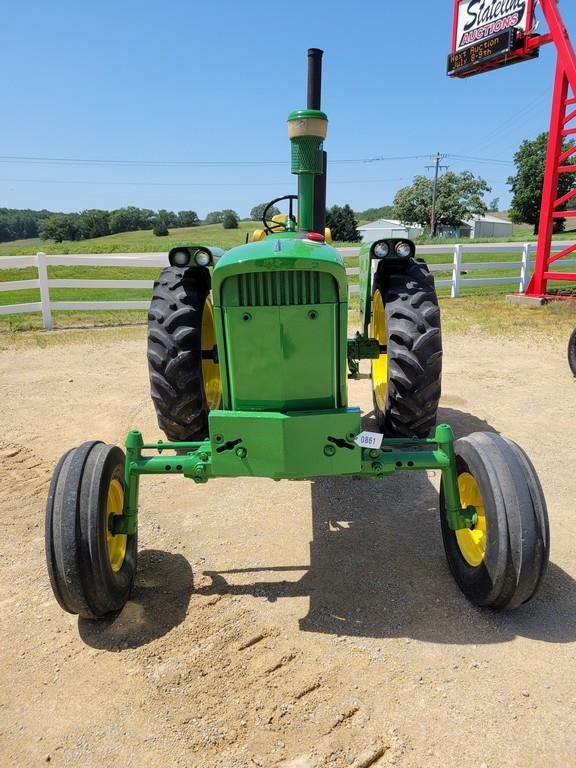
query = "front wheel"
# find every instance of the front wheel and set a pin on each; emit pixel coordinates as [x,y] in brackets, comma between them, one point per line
[91,570]
[501,559]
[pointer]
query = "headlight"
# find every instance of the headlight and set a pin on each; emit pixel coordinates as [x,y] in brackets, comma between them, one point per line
[381,250]
[180,258]
[404,250]
[202,257]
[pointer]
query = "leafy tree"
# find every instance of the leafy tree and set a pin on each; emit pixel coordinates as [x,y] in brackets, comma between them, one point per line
[229,219]
[372,214]
[342,223]
[187,219]
[526,185]
[258,210]
[169,217]
[93,223]
[214,217]
[17,224]
[160,228]
[130,219]
[494,205]
[61,226]
[459,197]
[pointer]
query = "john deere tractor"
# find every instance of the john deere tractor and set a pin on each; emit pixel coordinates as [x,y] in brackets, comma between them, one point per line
[249,361]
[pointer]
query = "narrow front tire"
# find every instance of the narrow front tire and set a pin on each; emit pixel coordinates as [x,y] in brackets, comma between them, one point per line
[500,561]
[91,570]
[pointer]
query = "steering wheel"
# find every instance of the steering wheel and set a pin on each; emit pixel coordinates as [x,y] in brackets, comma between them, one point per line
[271,226]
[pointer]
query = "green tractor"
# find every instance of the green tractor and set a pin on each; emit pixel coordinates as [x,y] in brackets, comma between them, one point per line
[249,361]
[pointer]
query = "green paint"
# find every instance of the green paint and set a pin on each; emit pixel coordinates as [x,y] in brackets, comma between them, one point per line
[362,348]
[300,114]
[285,445]
[296,445]
[306,201]
[274,360]
[293,253]
[365,285]
[456,516]
[281,312]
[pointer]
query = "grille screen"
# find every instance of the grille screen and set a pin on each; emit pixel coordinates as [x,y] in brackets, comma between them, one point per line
[278,289]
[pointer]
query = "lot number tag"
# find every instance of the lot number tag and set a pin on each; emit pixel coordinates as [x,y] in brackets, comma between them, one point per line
[369,439]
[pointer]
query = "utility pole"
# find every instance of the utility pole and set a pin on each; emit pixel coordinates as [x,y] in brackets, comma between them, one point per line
[437,160]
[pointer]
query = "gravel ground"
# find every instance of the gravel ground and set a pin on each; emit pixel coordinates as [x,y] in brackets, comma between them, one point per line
[301,625]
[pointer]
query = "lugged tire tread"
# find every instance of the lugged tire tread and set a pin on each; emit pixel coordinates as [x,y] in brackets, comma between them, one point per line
[174,352]
[414,350]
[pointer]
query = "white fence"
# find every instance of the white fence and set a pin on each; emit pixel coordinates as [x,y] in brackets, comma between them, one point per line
[457,267]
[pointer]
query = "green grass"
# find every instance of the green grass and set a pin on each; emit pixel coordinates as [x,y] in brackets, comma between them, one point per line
[479,315]
[211,234]
[31,321]
[139,242]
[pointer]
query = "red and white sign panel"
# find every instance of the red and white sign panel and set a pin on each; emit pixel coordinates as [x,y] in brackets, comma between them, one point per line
[476,20]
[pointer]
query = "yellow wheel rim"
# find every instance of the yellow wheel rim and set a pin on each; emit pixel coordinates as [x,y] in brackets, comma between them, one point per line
[210,370]
[116,545]
[379,366]
[472,541]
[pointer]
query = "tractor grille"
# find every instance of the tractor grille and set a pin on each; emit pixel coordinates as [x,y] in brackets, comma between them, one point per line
[276,289]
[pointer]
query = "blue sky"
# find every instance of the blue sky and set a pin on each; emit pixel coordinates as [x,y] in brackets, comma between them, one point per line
[214,81]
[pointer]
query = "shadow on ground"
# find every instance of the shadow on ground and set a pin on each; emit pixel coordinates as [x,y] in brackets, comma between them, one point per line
[377,568]
[159,601]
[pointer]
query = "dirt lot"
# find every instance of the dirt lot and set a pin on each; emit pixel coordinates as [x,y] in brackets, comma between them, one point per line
[302,625]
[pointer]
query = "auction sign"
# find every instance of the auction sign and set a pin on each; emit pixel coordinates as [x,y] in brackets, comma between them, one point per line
[477,20]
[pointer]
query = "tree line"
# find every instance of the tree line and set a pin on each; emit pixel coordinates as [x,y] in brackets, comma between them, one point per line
[459,197]
[21,224]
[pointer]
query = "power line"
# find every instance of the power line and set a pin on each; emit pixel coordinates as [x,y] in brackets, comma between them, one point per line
[71,161]
[33,160]
[191,184]
[488,160]
[437,160]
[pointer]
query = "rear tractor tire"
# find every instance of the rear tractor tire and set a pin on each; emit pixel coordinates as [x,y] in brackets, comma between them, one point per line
[184,377]
[406,379]
[501,560]
[91,570]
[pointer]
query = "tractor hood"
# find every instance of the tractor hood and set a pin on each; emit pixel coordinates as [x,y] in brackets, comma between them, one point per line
[280,253]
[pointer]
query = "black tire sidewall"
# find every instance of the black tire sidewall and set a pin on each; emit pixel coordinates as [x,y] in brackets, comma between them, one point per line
[178,303]
[482,584]
[107,590]
[425,371]
[572,352]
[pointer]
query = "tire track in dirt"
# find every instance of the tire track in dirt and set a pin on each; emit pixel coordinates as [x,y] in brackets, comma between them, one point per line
[246,700]
[26,476]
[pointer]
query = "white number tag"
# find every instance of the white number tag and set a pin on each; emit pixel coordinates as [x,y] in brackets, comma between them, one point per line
[369,439]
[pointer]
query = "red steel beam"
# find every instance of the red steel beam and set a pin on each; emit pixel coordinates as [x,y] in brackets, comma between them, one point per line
[568,153]
[565,198]
[537,285]
[565,252]
[565,78]
[560,275]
